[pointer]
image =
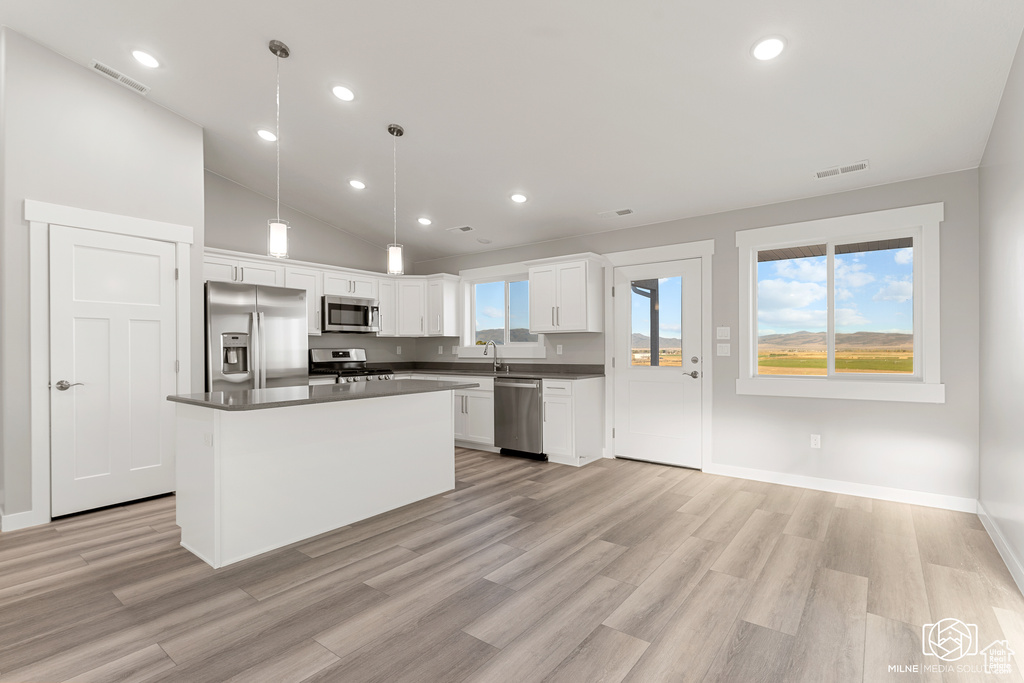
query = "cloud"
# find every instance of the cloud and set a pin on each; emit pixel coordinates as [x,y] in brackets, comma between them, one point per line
[791,318]
[847,317]
[778,294]
[851,274]
[493,312]
[904,256]
[843,294]
[899,290]
[672,328]
[802,269]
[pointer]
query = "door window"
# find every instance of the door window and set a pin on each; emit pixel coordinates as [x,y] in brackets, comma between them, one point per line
[657,313]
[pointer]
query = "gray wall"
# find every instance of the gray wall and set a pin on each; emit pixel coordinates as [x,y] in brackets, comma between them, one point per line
[236,218]
[920,447]
[1002,317]
[71,137]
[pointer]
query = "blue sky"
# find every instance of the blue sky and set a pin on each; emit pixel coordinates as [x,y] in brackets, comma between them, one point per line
[490,305]
[874,293]
[670,309]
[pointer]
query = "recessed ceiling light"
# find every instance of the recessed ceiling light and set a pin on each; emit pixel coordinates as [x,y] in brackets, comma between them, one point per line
[425,221]
[343,93]
[518,198]
[266,135]
[768,48]
[145,59]
[358,184]
[483,240]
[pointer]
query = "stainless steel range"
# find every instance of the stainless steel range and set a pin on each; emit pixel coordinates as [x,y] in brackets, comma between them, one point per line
[344,365]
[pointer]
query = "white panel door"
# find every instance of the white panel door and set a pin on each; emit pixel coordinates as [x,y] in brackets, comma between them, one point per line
[309,280]
[480,417]
[388,306]
[218,268]
[112,357]
[571,308]
[558,424]
[658,363]
[411,296]
[543,298]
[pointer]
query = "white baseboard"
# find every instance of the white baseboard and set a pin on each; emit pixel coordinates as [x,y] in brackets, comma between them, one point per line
[477,446]
[932,500]
[22,520]
[1013,563]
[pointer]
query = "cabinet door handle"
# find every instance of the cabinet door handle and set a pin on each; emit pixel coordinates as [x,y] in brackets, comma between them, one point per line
[421,324]
[465,402]
[544,411]
[439,323]
[552,316]
[234,273]
[242,269]
[558,315]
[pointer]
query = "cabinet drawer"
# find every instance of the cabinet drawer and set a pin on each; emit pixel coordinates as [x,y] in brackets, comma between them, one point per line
[486,383]
[557,387]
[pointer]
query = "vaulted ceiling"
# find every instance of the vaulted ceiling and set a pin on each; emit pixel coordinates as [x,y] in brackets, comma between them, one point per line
[584,106]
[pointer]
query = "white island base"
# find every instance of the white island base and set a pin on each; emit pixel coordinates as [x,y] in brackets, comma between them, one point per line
[250,481]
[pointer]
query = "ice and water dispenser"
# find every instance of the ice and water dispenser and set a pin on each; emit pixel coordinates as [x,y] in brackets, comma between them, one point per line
[234,353]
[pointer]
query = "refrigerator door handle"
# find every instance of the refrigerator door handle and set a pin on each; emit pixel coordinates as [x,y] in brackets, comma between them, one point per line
[263,350]
[255,348]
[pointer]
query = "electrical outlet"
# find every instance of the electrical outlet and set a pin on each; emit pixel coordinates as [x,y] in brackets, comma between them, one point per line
[455,350]
[558,349]
[440,350]
[208,439]
[398,350]
[815,440]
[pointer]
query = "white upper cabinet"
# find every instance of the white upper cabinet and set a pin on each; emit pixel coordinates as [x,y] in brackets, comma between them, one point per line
[388,304]
[566,296]
[442,306]
[350,284]
[227,269]
[411,295]
[310,280]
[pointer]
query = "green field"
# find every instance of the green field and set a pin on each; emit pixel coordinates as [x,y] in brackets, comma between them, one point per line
[783,362]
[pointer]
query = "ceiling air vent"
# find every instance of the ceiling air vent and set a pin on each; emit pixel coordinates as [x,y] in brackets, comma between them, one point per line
[842,170]
[115,75]
[613,214]
[464,228]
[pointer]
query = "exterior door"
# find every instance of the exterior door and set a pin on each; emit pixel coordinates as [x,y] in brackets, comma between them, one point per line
[658,362]
[112,365]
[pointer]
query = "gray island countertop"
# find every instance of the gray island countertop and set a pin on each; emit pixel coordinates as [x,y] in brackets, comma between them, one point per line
[279,397]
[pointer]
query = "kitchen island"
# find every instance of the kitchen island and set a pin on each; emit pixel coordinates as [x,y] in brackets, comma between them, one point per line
[260,469]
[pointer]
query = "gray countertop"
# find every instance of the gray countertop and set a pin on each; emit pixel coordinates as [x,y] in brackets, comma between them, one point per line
[519,374]
[279,397]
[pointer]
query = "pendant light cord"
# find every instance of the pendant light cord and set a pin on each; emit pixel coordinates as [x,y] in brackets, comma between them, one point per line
[278,130]
[394,166]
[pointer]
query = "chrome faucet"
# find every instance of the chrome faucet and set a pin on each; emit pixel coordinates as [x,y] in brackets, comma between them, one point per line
[497,363]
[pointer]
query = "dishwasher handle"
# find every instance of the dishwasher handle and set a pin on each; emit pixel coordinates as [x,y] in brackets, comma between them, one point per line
[517,385]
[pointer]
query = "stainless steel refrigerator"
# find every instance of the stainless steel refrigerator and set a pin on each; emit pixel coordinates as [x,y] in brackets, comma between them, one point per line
[255,337]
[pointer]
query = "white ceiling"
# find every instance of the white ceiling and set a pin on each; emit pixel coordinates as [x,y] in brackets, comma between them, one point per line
[585,106]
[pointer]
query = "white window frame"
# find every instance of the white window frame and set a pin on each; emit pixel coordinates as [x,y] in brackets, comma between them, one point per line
[471,278]
[920,222]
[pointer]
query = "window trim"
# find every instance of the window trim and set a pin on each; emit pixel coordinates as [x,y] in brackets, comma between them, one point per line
[921,222]
[468,347]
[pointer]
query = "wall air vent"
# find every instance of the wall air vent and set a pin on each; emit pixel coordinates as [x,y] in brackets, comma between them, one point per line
[115,75]
[463,228]
[613,214]
[842,170]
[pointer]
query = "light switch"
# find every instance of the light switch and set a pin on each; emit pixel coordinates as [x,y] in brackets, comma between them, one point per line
[723,333]
[558,349]
[725,349]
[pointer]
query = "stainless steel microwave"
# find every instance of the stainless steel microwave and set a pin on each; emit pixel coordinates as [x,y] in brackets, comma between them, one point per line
[349,314]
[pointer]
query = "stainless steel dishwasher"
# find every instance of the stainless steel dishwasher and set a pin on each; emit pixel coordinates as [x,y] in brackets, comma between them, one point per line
[518,416]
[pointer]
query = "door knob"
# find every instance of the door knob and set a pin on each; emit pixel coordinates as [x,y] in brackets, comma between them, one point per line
[693,374]
[64,385]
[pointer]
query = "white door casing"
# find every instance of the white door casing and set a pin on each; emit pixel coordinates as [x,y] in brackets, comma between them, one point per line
[112,323]
[658,414]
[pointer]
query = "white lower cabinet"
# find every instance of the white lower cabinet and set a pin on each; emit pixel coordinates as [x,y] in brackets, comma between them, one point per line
[574,420]
[474,416]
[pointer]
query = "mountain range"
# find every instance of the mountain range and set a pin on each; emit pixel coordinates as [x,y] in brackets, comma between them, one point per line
[860,340]
[642,341]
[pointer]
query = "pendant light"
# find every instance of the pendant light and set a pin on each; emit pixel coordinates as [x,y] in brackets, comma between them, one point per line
[395,266]
[277,229]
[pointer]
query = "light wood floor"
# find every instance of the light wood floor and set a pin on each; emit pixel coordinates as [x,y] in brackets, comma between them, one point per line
[618,571]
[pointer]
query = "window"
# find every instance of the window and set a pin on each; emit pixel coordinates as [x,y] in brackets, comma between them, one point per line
[842,308]
[657,310]
[501,312]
